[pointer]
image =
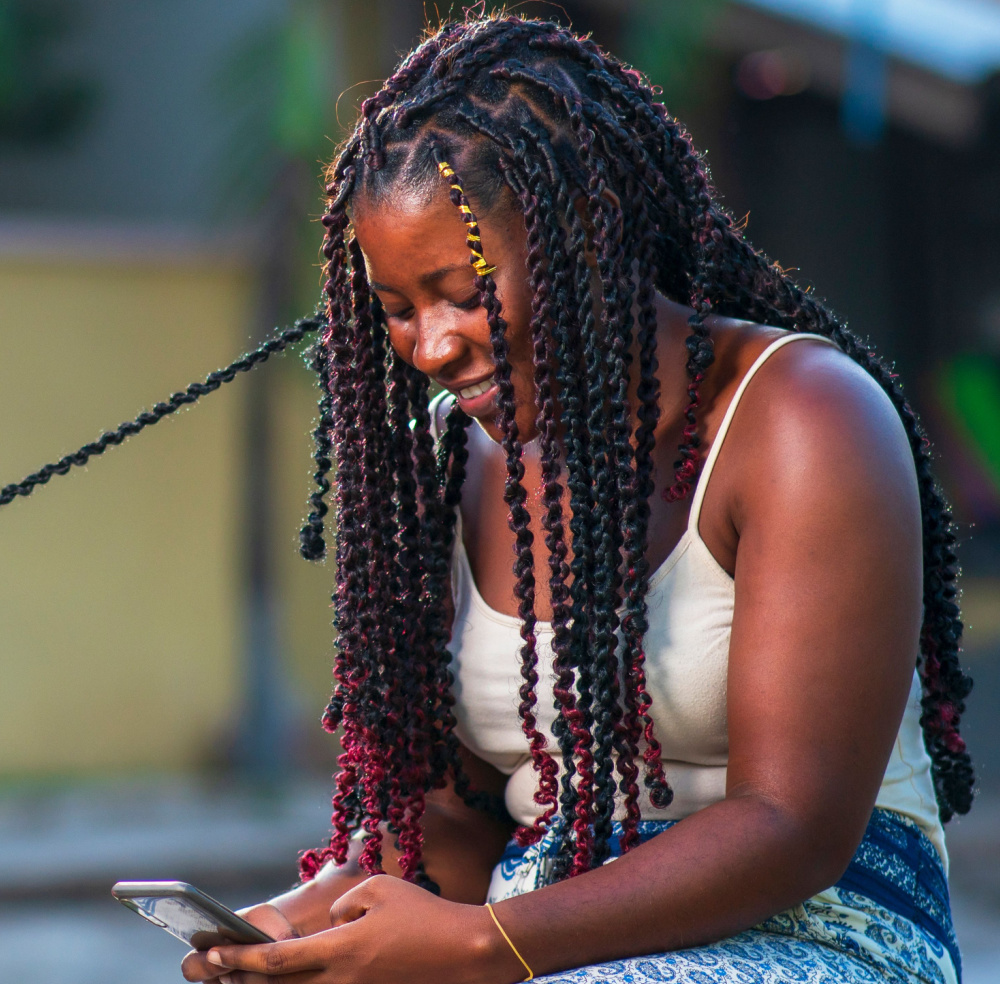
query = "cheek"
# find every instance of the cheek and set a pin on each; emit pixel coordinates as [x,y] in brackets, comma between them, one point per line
[403,340]
[518,317]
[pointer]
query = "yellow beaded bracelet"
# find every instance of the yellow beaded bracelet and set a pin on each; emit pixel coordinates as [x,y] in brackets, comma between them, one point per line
[530,976]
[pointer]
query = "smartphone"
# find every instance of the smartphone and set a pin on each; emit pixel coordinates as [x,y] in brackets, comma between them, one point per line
[187,913]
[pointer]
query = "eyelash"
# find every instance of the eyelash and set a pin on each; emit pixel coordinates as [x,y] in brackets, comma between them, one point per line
[470,305]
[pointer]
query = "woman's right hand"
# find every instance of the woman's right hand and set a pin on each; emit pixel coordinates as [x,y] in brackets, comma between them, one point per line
[264,916]
[461,846]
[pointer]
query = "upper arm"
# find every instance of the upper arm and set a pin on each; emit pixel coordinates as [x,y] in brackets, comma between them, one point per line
[828,592]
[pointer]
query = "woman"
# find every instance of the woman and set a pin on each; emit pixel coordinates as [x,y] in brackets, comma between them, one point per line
[730,670]
[740,625]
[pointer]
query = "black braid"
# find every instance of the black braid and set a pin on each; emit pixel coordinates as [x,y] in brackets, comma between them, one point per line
[147,418]
[312,544]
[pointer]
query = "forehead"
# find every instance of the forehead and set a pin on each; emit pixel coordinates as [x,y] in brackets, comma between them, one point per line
[423,229]
[410,217]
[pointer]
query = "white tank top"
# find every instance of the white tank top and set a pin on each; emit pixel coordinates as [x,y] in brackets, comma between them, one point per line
[690,601]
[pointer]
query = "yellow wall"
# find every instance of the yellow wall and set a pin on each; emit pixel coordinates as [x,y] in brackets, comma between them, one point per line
[118,605]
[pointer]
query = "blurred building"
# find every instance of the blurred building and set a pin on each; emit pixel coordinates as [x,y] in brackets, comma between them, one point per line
[143,611]
[158,190]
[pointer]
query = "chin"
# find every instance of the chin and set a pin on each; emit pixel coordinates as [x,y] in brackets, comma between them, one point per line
[490,425]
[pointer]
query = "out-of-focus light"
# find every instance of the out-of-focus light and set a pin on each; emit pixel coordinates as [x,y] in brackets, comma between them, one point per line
[958,39]
[771,73]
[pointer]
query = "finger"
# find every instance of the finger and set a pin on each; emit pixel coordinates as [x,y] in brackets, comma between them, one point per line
[346,910]
[285,957]
[270,919]
[355,903]
[195,967]
[266,917]
[250,977]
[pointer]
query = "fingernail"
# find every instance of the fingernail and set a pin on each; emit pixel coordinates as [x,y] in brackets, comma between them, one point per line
[225,979]
[213,958]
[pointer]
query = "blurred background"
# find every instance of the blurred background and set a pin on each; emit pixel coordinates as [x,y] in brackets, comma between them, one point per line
[165,652]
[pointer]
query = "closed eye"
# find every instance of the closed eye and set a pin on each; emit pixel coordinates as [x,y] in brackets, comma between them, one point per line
[404,314]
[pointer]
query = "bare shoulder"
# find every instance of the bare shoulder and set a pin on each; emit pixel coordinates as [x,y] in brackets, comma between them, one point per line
[811,382]
[813,427]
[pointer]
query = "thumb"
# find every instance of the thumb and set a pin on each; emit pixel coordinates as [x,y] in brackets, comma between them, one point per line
[351,905]
[271,920]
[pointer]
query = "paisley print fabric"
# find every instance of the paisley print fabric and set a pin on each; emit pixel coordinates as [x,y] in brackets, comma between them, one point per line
[897,929]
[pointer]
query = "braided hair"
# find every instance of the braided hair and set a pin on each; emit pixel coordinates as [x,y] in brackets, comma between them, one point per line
[512,113]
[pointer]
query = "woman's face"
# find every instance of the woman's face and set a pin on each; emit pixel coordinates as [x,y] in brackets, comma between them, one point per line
[418,263]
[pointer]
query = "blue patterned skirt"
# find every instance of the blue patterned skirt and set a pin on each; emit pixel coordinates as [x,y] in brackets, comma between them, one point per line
[887,920]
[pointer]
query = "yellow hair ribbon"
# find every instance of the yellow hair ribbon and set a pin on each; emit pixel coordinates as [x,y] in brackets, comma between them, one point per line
[473,239]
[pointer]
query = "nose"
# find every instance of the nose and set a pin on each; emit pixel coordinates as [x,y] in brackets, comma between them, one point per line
[437,341]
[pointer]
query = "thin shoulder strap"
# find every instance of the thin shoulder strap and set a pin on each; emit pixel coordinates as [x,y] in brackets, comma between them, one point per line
[432,409]
[713,454]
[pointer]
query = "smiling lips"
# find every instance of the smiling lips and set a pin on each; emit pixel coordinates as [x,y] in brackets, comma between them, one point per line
[479,399]
[476,389]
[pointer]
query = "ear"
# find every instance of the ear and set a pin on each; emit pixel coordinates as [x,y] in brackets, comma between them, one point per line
[580,204]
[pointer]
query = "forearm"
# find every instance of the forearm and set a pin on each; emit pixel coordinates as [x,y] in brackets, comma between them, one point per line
[460,850]
[718,872]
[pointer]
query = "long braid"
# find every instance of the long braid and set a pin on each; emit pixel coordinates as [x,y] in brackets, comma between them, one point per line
[636,522]
[388,707]
[342,710]
[574,726]
[437,540]
[944,683]
[191,394]
[635,486]
[580,481]
[616,737]
[603,353]
[451,460]
[576,739]
[514,493]
[551,521]
[408,627]
[312,544]
[637,701]
[569,726]
[368,678]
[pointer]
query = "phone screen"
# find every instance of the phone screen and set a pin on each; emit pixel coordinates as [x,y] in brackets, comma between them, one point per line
[188,914]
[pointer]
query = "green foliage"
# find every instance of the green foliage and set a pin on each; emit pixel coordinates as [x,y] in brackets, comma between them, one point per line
[304,96]
[276,90]
[665,39]
[970,387]
[37,104]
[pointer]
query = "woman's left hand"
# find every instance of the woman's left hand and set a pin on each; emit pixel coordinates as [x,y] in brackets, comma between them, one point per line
[383,930]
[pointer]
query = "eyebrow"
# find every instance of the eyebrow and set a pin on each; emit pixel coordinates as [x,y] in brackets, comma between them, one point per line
[427,278]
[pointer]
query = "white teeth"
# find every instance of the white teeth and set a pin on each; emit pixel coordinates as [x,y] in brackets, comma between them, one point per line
[477,390]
